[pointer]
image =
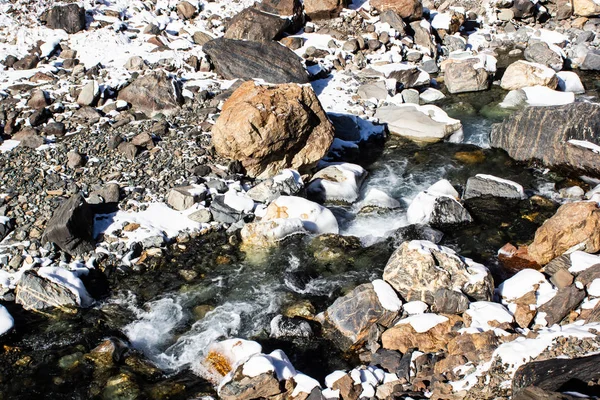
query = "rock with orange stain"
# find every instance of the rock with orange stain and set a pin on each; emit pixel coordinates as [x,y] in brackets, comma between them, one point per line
[315,218]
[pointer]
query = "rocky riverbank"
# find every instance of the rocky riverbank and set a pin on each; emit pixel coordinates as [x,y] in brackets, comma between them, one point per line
[202,199]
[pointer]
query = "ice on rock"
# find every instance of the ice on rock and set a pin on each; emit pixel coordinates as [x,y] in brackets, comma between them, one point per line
[378,198]
[422,323]
[337,182]
[568,81]
[6,320]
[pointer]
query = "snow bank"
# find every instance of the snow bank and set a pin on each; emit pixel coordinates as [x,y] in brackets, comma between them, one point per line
[421,323]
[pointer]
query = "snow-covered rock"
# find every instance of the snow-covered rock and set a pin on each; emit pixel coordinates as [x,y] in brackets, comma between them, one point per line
[426,123]
[315,218]
[337,183]
[267,233]
[438,205]
[568,81]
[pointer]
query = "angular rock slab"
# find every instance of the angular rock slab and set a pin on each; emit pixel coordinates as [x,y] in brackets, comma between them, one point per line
[252,24]
[468,75]
[153,93]
[557,136]
[271,128]
[554,373]
[353,316]
[522,74]
[36,293]
[417,269]
[71,226]
[269,61]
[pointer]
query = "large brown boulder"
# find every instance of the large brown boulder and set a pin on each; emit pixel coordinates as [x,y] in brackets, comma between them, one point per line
[558,136]
[418,269]
[153,93]
[323,9]
[272,127]
[407,9]
[573,224]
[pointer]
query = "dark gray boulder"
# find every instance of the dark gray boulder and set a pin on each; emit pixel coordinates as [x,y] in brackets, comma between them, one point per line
[490,186]
[269,61]
[221,212]
[6,225]
[541,53]
[565,301]
[556,136]
[252,24]
[70,18]
[36,293]
[559,374]
[71,226]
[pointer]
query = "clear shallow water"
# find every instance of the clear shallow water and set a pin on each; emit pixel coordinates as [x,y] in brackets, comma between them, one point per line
[244,296]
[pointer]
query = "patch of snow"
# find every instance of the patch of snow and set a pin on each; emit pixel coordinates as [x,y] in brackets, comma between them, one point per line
[580,261]
[484,312]
[70,280]
[594,288]
[386,295]
[586,145]
[421,323]
[568,81]
[6,320]
[334,377]
[544,96]
[523,282]
[415,307]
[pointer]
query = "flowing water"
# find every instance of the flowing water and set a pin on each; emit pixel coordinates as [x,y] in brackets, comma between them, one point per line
[172,320]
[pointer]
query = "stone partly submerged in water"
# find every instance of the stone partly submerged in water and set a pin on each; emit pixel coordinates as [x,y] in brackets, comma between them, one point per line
[270,128]
[438,206]
[422,124]
[37,293]
[559,136]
